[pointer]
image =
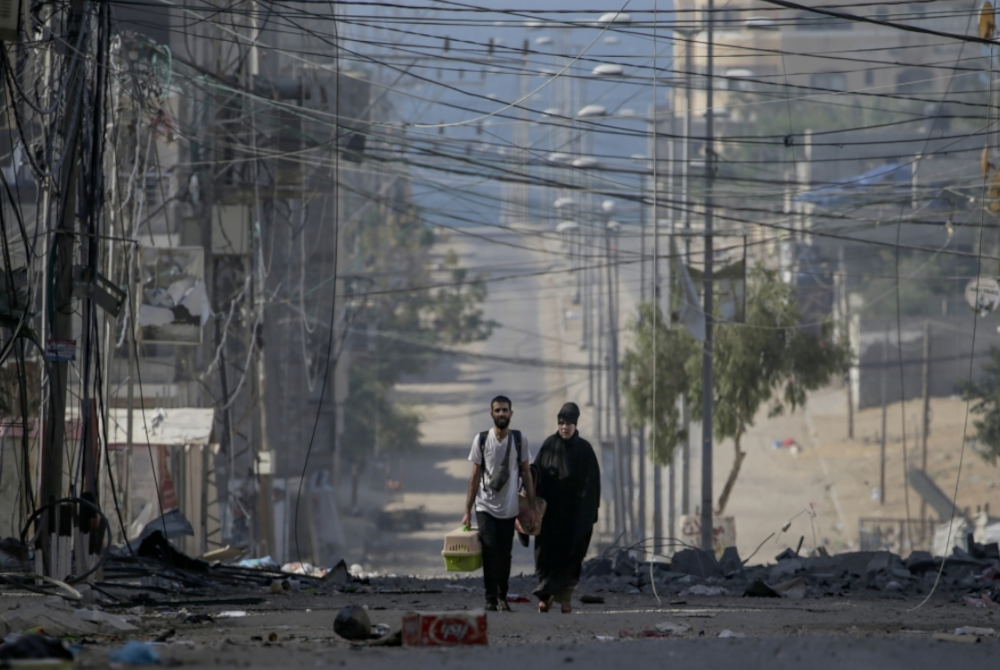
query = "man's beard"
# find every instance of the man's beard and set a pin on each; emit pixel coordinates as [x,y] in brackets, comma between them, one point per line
[501,422]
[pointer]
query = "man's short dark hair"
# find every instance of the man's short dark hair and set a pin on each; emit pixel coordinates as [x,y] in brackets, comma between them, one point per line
[501,398]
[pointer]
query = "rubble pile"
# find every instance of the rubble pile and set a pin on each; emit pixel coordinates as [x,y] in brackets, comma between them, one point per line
[973,575]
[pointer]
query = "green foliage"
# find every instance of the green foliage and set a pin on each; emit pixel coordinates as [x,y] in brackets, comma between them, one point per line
[926,278]
[766,360]
[985,396]
[673,348]
[404,329]
[371,418]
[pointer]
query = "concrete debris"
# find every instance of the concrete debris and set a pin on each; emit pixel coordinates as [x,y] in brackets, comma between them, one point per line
[296,568]
[794,589]
[974,630]
[338,574]
[109,624]
[702,590]
[352,623]
[695,562]
[730,562]
[673,628]
[597,567]
[56,618]
[894,586]
[786,555]
[759,589]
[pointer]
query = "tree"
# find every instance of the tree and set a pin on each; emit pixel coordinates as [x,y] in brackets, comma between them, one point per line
[767,359]
[985,396]
[403,325]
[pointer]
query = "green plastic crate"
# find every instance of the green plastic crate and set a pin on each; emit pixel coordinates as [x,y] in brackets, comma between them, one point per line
[462,562]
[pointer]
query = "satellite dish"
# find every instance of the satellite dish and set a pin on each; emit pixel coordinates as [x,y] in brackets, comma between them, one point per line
[983,294]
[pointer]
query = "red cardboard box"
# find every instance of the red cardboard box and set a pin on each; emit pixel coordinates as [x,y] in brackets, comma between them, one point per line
[441,629]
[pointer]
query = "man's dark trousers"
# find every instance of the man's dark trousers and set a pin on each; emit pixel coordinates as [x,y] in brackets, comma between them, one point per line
[497,537]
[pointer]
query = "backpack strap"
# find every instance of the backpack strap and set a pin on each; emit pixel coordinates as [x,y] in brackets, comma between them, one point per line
[481,440]
[517,445]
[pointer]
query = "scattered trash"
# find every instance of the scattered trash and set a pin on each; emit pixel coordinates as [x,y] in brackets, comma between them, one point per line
[444,628]
[272,637]
[588,599]
[226,553]
[380,629]
[231,614]
[604,638]
[165,635]
[352,623]
[983,600]
[135,653]
[296,568]
[973,630]
[266,563]
[276,587]
[785,443]
[729,633]
[673,628]
[36,648]
[702,590]
[517,598]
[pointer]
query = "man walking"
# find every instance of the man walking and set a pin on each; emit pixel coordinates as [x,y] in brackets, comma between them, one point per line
[499,464]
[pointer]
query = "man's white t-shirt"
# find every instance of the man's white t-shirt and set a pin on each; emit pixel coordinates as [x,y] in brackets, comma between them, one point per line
[500,504]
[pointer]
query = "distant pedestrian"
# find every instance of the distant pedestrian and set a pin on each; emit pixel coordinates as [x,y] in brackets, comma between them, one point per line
[500,462]
[569,480]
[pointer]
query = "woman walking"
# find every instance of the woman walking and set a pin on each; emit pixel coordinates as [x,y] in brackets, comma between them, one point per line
[569,480]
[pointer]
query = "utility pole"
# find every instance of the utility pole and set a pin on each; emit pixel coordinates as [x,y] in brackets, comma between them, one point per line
[926,428]
[881,460]
[706,358]
[686,204]
[845,296]
[61,269]
[654,151]
[641,535]
[613,401]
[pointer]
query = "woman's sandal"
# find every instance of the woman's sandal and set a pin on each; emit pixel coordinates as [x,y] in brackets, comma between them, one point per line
[566,609]
[545,605]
